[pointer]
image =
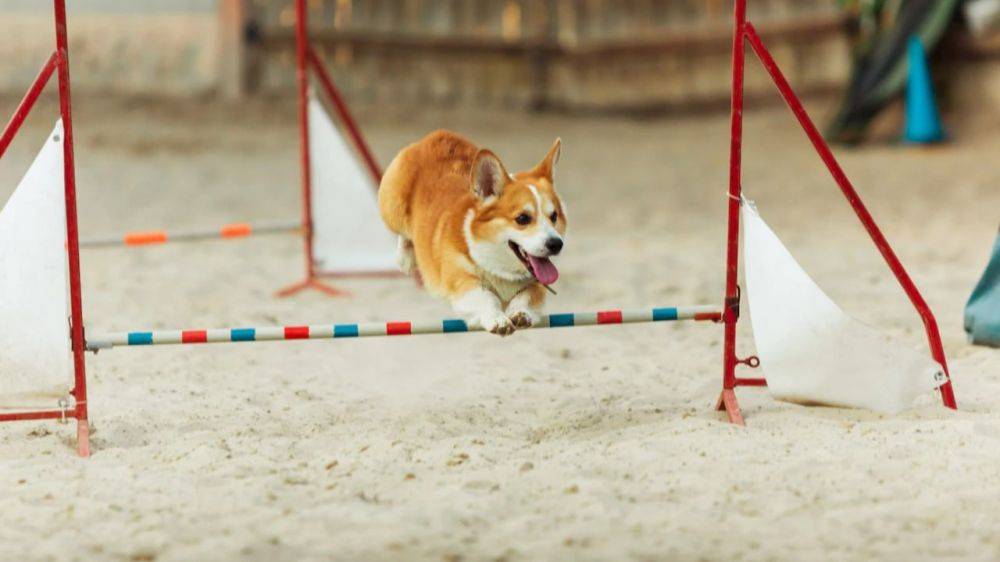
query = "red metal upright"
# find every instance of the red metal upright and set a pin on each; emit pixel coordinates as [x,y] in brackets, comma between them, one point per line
[731,302]
[59,62]
[302,77]
[743,32]
[72,235]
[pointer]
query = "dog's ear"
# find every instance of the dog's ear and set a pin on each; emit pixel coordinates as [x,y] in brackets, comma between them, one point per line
[547,166]
[489,177]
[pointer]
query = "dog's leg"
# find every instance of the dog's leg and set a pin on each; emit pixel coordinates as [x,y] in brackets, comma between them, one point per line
[405,257]
[525,308]
[482,308]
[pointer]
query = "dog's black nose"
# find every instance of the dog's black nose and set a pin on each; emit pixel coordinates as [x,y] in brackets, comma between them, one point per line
[554,245]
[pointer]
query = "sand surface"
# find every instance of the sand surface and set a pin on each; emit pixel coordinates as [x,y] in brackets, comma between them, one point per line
[586,444]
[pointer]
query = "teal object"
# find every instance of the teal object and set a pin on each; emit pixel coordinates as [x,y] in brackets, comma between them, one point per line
[923,122]
[982,313]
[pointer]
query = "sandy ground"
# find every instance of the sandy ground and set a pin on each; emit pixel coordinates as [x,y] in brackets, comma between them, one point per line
[585,444]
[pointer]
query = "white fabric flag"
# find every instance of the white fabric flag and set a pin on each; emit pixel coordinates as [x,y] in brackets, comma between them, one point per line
[348,234]
[810,351]
[35,359]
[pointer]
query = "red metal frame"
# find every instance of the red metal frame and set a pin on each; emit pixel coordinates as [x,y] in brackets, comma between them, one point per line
[21,113]
[59,62]
[343,113]
[306,59]
[743,33]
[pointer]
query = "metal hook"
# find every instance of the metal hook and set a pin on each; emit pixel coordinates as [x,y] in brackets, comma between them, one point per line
[732,304]
[63,406]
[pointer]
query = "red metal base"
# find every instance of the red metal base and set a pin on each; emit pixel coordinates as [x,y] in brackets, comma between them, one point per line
[371,274]
[948,395]
[83,438]
[727,401]
[314,282]
[311,284]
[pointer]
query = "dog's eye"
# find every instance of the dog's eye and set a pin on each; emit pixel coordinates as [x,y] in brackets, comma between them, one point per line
[554,217]
[523,219]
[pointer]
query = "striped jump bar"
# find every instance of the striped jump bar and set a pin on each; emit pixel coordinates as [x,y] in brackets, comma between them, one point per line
[228,231]
[337,331]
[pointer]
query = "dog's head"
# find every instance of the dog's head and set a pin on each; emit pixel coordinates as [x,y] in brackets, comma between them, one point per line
[519,222]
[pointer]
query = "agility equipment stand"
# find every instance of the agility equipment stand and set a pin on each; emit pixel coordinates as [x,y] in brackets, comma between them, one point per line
[311,127]
[728,314]
[59,63]
[341,230]
[744,33]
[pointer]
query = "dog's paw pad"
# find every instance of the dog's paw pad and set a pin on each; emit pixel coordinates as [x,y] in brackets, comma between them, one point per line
[501,326]
[522,319]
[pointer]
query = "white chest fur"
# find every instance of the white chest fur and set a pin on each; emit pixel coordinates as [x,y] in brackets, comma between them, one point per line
[504,289]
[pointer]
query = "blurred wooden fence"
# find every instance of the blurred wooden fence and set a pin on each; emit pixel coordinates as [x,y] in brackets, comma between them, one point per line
[568,54]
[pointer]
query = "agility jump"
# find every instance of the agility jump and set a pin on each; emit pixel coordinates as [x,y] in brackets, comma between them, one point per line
[338,183]
[764,250]
[379,329]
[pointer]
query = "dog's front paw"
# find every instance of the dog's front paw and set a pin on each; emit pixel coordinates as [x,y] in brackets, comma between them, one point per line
[524,319]
[499,325]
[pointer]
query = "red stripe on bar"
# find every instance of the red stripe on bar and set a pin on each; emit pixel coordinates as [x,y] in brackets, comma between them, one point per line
[296,332]
[398,328]
[236,230]
[713,316]
[609,317]
[751,382]
[194,336]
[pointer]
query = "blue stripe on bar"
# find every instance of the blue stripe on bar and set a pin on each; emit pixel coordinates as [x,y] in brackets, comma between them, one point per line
[345,331]
[661,314]
[561,320]
[450,326]
[140,338]
[243,334]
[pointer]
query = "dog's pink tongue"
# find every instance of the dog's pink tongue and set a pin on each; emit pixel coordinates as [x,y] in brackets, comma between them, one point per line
[543,268]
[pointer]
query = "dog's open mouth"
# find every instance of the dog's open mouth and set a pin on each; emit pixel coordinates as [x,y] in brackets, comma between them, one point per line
[541,268]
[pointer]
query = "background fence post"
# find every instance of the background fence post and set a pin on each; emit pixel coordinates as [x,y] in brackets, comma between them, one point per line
[232,60]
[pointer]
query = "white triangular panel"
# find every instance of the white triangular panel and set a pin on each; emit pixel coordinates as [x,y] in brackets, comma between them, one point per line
[35,361]
[348,234]
[810,351]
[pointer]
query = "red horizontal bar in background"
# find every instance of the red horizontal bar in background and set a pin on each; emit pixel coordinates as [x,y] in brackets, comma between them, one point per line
[236,230]
[144,238]
[194,336]
[609,317]
[398,328]
[42,415]
[296,332]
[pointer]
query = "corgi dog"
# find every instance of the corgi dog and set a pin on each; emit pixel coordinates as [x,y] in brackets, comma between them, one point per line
[479,236]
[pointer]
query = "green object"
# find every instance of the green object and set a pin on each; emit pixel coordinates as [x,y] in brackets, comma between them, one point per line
[982,313]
